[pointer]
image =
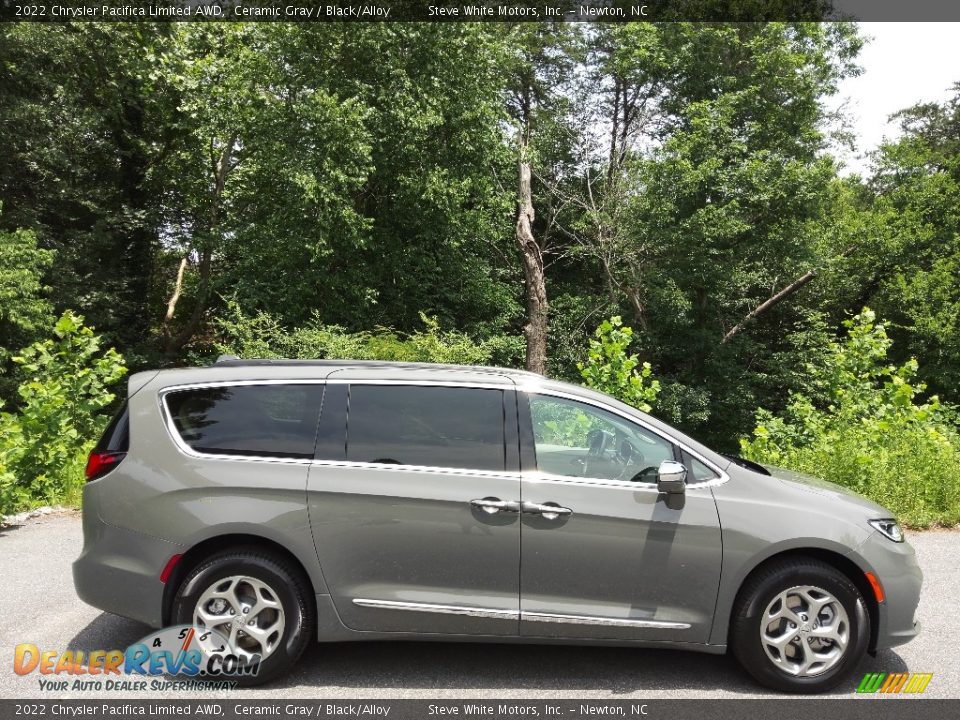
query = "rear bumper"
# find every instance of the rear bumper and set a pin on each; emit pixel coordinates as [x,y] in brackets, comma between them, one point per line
[119,570]
[895,565]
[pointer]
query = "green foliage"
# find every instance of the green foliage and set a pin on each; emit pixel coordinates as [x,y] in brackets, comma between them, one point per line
[338,180]
[65,384]
[23,308]
[913,271]
[262,336]
[864,426]
[611,370]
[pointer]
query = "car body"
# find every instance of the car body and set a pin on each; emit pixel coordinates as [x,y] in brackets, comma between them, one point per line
[400,494]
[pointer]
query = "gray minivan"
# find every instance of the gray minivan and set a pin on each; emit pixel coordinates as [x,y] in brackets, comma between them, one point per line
[279,501]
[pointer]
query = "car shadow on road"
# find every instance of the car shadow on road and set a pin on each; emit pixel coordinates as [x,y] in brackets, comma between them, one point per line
[448,667]
[108,632]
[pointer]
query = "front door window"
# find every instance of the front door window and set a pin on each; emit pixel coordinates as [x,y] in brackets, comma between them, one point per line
[575,439]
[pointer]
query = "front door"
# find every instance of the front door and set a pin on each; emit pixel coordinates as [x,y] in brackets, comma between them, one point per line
[414,507]
[604,555]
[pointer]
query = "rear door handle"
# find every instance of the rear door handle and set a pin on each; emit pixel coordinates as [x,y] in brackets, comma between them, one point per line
[493,505]
[548,511]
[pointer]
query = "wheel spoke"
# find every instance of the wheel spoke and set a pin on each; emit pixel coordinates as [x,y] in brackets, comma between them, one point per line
[830,632]
[814,604]
[809,656]
[211,620]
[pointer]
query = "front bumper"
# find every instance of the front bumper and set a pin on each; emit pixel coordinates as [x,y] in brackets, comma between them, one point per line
[119,570]
[895,565]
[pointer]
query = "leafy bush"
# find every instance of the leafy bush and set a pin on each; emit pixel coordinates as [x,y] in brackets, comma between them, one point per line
[262,336]
[24,311]
[64,387]
[864,426]
[610,370]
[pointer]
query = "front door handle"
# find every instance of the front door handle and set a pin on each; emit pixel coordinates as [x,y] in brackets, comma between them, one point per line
[492,505]
[548,511]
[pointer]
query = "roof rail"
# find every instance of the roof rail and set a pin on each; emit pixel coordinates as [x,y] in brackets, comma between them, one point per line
[226,358]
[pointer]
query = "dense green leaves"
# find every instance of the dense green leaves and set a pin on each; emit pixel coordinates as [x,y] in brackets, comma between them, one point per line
[24,308]
[864,425]
[351,190]
[65,383]
[263,336]
[611,370]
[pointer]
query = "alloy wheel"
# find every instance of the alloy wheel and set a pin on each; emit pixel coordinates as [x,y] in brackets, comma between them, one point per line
[246,611]
[805,631]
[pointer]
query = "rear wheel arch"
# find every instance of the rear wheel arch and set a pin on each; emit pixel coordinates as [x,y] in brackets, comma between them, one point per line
[218,543]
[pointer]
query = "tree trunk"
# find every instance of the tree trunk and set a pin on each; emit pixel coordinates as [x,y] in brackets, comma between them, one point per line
[220,170]
[535,329]
[175,297]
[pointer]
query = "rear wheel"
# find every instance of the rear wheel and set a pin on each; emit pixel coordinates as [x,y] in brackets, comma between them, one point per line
[800,625]
[259,602]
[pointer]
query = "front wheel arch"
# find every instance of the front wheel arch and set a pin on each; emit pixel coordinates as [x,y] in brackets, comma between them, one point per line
[839,562]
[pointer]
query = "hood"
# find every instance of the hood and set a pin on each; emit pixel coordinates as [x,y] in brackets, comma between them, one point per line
[825,488]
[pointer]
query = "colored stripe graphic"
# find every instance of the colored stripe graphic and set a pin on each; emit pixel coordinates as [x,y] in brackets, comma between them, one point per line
[894,683]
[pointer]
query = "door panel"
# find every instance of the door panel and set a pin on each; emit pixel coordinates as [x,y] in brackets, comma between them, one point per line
[623,564]
[411,536]
[401,546]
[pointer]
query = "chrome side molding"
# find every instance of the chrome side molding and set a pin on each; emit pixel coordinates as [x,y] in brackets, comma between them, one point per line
[515,615]
[602,620]
[435,608]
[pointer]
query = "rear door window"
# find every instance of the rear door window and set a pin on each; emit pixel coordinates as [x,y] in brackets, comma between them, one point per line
[255,420]
[449,427]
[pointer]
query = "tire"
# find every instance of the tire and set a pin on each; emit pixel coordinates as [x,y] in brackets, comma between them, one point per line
[252,573]
[790,590]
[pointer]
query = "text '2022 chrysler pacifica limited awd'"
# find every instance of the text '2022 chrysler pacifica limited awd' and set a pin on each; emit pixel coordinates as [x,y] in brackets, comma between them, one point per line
[280,501]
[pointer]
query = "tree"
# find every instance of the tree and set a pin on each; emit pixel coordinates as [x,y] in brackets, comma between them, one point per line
[913,276]
[79,149]
[705,210]
[540,60]
[267,161]
[24,308]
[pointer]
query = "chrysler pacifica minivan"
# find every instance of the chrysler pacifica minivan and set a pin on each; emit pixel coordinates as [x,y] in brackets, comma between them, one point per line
[278,502]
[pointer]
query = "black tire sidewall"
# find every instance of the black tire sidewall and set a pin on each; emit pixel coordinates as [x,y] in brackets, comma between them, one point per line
[745,634]
[298,621]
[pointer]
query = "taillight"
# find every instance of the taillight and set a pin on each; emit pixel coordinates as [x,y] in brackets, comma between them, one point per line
[100,463]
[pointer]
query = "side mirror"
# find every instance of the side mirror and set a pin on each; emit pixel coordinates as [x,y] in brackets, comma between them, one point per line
[671,478]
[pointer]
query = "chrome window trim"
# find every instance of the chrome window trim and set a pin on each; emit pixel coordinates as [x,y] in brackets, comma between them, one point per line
[425,383]
[357,465]
[561,618]
[529,388]
[181,444]
[545,477]
[537,390]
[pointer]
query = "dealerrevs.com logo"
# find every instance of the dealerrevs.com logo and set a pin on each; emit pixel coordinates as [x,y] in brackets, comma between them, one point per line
[895,683]
[200,655]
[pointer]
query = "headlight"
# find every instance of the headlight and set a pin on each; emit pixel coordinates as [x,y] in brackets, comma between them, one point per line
[890,528]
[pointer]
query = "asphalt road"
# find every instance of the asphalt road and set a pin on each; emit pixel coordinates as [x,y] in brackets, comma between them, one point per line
[37,604]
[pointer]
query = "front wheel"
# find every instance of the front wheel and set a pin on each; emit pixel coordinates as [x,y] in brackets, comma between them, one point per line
[259,602]
[800,626]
